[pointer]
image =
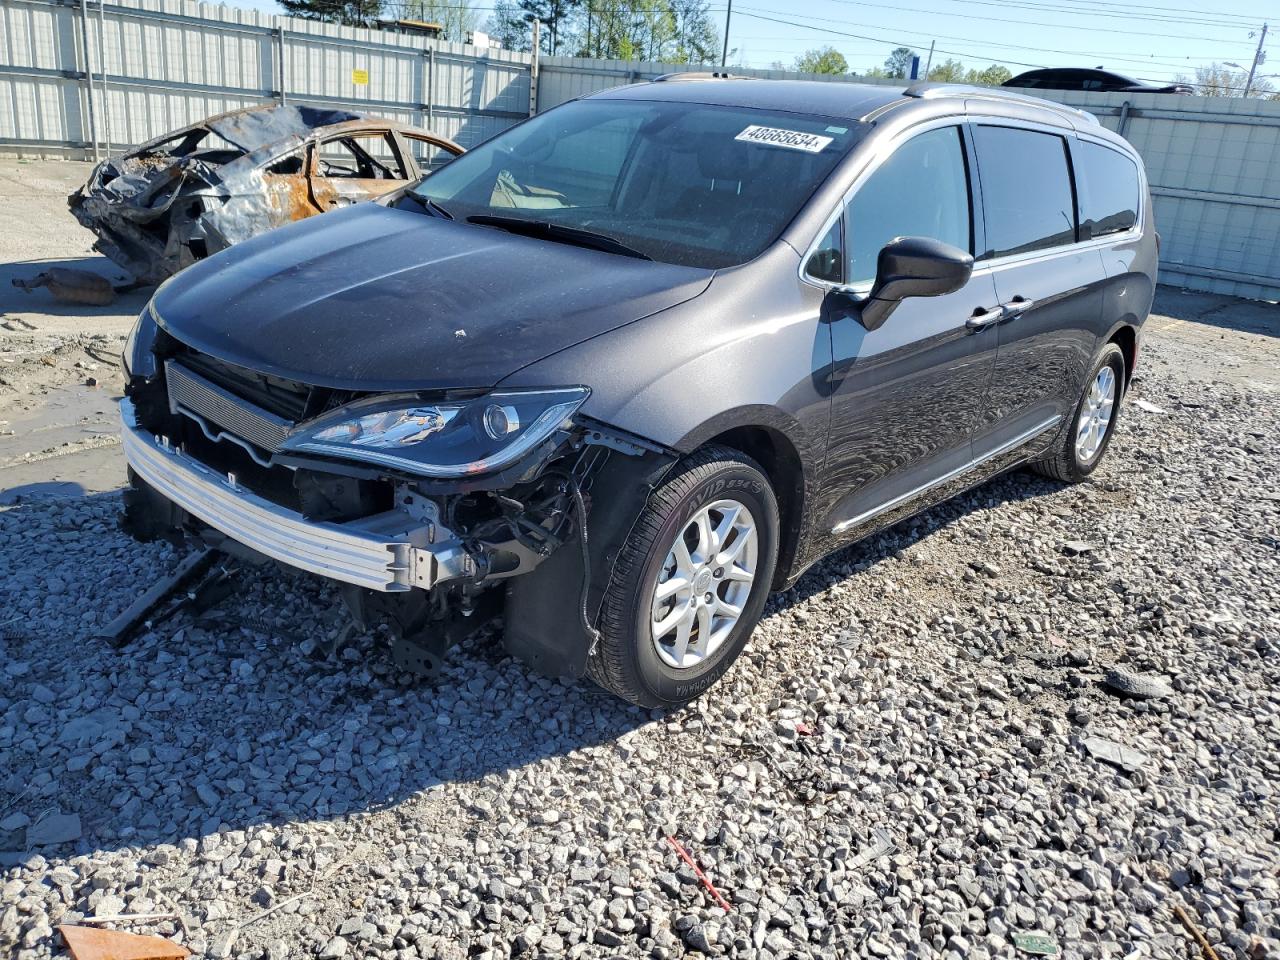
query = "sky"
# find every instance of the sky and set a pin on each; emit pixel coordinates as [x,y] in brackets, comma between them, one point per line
[1145,39]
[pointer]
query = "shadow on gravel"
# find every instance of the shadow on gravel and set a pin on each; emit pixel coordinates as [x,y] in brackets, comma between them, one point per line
[1008,488]
[242,718]
[42,490]
[1218,310]
[226,723]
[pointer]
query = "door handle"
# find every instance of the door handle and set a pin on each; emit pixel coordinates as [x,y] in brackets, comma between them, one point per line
[1018,305]
[984,318]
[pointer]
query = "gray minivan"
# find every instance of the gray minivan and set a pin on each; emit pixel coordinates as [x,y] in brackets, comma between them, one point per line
[620,371]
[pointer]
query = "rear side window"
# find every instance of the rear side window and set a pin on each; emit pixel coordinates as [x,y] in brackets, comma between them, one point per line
[922,190]
[1107,182]
[1026,190]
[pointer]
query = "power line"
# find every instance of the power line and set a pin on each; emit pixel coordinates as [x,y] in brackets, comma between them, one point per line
[1035,23]
[1116,56]
[1074,11]
[890,42]
[1145,9]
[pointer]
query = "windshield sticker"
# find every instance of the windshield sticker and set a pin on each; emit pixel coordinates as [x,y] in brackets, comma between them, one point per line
[791,139]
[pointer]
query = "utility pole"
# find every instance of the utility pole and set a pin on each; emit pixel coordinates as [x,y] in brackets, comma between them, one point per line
[929,63]
[724,54]
[1258,57]
[533,68]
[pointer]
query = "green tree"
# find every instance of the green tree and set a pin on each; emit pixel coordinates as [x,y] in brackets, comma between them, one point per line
[508,26]
[993,76]
[456,17]
[898,64]
[827,60]
[697,35]
[511,22]
[351,13]
[949,71]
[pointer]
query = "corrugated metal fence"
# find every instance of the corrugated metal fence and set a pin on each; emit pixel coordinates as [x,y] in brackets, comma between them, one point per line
[1214,164]
[173,62]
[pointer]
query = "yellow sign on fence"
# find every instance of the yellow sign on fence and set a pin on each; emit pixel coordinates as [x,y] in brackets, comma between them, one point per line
[360,77]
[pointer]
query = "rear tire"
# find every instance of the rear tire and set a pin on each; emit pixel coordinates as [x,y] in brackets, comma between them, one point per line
[1084,442]
[665,650]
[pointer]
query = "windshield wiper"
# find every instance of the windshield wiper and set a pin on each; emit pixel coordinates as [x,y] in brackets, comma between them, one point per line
[559,232]
[432,207]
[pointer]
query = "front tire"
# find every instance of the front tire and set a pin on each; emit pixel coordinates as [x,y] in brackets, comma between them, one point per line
[1083,444]
[691,581]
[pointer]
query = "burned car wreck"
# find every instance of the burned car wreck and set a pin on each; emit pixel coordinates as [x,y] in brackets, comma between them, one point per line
[188,194]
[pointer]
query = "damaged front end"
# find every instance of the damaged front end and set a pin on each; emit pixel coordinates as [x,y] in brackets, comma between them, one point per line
[433,511]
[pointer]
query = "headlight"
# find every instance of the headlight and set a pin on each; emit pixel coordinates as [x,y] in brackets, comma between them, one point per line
[448,439]
[139,357]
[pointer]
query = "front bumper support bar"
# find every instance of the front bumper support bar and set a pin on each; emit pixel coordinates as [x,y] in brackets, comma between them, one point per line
[390,552]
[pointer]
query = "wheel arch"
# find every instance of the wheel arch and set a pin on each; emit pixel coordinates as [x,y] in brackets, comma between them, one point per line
[781,462]
[1125,336]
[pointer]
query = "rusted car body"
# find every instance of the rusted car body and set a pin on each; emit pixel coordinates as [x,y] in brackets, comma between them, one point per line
[193,192]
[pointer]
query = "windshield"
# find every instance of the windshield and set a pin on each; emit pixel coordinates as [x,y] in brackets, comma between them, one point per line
[692,184]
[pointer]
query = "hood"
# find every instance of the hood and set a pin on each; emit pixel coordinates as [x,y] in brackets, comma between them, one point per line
[373,298]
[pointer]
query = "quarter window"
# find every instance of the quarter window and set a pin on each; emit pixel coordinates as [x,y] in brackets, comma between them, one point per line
[1107,182]
[827,260]
[922,190]
[1026,190]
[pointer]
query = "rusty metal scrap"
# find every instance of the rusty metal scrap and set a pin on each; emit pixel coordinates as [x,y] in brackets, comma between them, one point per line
[201,189]
[71,286]
[88,943]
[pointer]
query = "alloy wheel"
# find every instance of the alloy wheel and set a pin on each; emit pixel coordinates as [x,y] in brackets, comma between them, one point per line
[703,584]
[1095,414]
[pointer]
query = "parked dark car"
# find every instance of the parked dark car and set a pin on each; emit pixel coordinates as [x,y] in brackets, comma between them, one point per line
[1103,81]
[195,191]
[628,367]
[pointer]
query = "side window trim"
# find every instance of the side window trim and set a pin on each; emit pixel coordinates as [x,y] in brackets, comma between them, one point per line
[840,213]
[977,214]
[1066,137]
[1141,208]
[1069,149]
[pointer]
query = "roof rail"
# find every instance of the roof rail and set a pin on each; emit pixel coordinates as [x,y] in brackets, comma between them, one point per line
[701,75]
[926,90]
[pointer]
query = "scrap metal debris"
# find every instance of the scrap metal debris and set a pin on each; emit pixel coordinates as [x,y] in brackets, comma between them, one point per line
[1036,943]
[1146,406]
[684,855]
[88,943]
[71,286]
[198,190]
[1184,918]
[199,582]
[1141,686]
[882,847]
[1126,758]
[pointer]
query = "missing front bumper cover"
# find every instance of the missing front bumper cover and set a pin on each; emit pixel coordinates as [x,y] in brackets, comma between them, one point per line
[389,552]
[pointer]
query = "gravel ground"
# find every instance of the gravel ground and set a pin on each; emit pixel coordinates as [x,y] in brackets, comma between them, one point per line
[897,767]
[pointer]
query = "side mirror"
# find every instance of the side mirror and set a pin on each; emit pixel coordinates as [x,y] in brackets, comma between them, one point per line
[913,267]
